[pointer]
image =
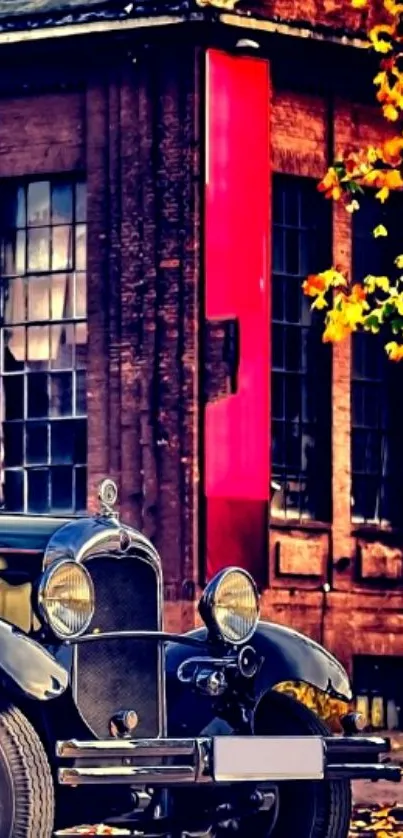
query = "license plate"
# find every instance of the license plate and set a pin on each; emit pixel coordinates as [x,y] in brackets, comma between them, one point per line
[262,758]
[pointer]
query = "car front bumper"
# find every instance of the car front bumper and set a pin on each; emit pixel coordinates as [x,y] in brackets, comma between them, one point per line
[223,759]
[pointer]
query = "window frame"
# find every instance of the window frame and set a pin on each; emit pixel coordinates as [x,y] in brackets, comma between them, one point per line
[73,413]
[384,380]
[322,424]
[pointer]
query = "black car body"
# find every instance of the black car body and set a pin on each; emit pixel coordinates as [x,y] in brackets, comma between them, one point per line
[225,729]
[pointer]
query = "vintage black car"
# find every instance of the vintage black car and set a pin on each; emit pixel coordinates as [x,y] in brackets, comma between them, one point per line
[104,717]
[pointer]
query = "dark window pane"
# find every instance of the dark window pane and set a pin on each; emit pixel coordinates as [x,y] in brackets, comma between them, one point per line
[277,396]
[21,208]
[81,393]
[13,445]
[292,348]
[62,204]
[62,442]
[278,444]
[39,203]
[292,252]
[61,394]
[81,202]
[14,397]
[292,384]
[81,489]
[14,491]
[277,299]
[291,196]
[292,300]
[14,349]
[62,488]
[278,250]
[81,335]
[37,443]
[293,447]
[38,399]
[62,344]
[80,441]
[38,490]
[277,359]
[13,255]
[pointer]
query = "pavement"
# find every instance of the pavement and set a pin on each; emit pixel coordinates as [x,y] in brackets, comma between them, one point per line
[366,793]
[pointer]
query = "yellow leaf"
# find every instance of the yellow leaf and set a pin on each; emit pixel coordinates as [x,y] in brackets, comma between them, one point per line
[320,302]
[380,37]
[391,113]
[394,350]
[353,206]
[393,179]
[358,4]
[383,194]
[379,231]
[380,78]
[372,154]
[399,261]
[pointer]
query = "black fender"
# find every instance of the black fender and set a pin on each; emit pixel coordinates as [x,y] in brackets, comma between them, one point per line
[290,662]
[27,668]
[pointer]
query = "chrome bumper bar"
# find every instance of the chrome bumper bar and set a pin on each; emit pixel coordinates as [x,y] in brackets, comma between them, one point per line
[223,759]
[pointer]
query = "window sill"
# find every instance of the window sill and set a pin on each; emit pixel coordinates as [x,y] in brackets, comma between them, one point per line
[303,526]
[374,531]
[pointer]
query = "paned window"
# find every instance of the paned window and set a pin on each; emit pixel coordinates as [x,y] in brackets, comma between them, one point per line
[301,363]
[43,353]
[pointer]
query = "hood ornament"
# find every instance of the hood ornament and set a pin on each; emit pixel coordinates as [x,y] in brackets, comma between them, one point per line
[107,496]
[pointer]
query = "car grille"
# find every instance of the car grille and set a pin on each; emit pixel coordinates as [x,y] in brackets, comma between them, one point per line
[122,674]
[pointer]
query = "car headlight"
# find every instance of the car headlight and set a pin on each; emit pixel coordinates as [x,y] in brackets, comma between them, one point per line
[230,605]
[66,599]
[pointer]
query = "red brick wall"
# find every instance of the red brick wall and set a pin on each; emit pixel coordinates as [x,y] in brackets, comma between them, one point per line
[142,169]
[41,134]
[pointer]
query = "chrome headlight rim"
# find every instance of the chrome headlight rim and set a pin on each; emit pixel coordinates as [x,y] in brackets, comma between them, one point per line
[208,603]
[44,582]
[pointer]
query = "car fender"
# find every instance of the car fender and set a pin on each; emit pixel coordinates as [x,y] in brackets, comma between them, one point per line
[290,663]
[27,668]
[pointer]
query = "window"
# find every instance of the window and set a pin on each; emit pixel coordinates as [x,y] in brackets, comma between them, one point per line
[377,384]
[43,347]
[378,690]
[301,371]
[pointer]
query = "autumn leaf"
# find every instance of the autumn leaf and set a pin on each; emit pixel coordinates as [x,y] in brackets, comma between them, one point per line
[381,37]
[379,231]
[383,194]
[315,284]
[394,350]
[391,113]
[399,260]
[353,206]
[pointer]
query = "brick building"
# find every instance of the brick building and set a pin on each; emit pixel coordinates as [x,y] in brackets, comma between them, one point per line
[158,212]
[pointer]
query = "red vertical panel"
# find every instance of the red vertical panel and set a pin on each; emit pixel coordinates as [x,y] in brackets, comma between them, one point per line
[237,224]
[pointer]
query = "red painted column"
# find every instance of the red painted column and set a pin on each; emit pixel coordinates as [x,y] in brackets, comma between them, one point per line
[237,265]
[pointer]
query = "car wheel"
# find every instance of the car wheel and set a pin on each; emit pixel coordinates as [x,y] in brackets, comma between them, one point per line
[315,809]
[26,785]
[306,809]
